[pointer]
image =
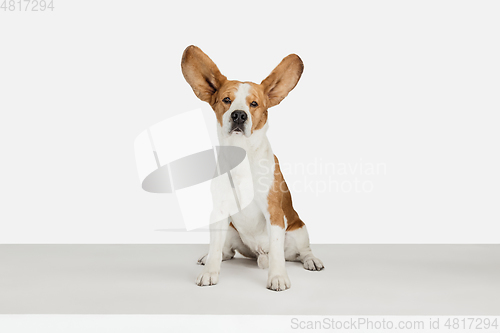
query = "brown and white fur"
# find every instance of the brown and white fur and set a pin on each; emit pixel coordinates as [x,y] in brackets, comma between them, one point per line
[268,229]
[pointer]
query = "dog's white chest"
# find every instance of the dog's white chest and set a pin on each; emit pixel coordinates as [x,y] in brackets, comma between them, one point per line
[252,186]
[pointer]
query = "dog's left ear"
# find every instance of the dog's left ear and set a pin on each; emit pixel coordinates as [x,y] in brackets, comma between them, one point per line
[201,73]
[283,79]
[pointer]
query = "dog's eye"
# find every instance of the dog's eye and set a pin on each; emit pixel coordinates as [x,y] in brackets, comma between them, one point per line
[227,100]
[254,104]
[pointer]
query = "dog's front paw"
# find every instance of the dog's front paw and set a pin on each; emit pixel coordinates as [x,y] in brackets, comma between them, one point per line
[278,282]
[313,264]
[207,278]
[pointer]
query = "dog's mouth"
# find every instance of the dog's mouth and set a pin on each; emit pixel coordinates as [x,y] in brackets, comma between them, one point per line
[237,130]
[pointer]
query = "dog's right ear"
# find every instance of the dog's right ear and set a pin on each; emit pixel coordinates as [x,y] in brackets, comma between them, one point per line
[201,73]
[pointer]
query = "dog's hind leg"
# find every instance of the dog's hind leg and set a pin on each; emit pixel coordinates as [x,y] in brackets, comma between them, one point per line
[297,248]
[233,242]
[225,256]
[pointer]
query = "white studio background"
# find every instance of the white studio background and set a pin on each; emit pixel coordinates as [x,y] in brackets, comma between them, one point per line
[408,88]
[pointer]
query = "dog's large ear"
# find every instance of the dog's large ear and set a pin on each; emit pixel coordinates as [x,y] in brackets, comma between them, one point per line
[201,73]
[283,79]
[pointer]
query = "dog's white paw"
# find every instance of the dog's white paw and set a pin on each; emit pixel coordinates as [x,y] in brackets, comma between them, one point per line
[202,260]
[313,264]
[207,278]
[278,282]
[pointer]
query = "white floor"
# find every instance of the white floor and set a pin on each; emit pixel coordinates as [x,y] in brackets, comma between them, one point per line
[159,279]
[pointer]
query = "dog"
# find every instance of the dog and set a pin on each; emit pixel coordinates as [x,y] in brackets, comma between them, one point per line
[268,229]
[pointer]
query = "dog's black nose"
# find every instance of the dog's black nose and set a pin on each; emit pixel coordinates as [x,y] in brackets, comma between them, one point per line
[239,116]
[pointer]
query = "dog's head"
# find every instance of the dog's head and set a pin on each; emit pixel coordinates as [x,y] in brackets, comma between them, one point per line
[240,107]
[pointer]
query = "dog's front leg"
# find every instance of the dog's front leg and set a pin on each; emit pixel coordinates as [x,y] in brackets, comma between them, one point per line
[278,277]
[210,273]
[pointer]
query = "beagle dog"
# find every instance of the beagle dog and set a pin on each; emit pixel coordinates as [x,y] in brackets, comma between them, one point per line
[268,229]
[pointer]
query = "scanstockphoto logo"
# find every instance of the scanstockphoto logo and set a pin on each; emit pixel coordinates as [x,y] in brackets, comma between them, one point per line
[319,176]
[396,323]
